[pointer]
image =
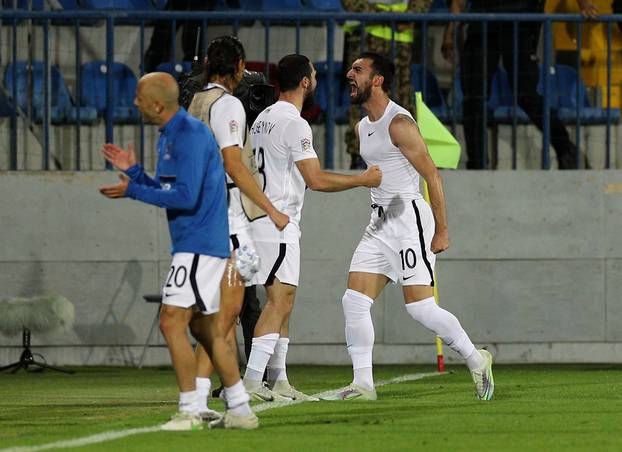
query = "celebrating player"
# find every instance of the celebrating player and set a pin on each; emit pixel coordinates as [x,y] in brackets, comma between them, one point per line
[224,114]
[283,146]
[404,234]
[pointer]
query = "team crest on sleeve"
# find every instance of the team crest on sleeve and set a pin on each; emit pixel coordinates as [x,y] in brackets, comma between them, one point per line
[233,126]
[305,143]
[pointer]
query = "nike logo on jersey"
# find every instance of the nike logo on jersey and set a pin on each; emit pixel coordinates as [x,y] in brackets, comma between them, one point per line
[369,134]
[407,277]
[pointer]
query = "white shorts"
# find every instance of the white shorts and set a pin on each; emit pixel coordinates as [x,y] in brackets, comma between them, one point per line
[396,243]
[278,260]
[194,279]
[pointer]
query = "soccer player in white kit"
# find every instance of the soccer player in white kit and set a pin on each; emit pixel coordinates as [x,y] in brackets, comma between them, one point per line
[404,234]
[283,146]
[224,114]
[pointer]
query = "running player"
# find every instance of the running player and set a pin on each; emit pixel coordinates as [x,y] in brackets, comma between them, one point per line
[404,234]
[287,162]
[190,184]
[224,114]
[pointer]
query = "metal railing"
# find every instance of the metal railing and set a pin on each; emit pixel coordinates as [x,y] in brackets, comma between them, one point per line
[236,18]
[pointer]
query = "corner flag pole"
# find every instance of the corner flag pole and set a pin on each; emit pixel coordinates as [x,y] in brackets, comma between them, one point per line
[445,152]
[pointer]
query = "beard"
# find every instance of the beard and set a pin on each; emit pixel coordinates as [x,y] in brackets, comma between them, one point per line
[361,96]
[309,100]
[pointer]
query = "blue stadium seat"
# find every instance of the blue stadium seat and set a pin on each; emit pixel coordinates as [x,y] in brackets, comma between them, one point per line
[271,5]
[323,5]
[341,90]
[501,100]
[60,100]
[93,90]
[564,84]
[439,6]
[433,96]
[174,68]
[37,5]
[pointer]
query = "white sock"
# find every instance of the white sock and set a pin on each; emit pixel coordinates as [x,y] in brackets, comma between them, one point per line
[445,325]
[262,349]
[189,402]
[237,399]
[203,387]
[359,336]
[475,360]
[276,365]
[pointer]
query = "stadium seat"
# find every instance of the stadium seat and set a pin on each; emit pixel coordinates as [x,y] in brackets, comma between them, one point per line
[342,93]
[433,96]
[564,83]
[501,101]
[174,68]
[60,100]
[271,5]
[93,91]
[323,5]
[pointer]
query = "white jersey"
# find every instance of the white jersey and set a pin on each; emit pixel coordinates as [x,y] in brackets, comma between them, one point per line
[280,138]
[228,123]
[400,180]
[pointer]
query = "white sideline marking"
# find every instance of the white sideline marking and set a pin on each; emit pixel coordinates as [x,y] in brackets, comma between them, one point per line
[116,434]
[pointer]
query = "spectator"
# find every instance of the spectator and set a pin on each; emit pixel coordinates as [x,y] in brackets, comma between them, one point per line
[159,50]
[378,39]
[500,38]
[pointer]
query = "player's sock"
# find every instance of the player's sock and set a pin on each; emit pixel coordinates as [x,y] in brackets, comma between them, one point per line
[276,364]
[203,387]
[448,328]
[189,402]
[263,348]
[237,399]
[359,336]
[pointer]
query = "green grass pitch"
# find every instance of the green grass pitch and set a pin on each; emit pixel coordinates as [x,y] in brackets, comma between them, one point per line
[574,407]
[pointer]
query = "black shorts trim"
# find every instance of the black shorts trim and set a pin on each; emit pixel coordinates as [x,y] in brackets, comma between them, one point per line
[422,243]
[277,264]
[193,283]
[234,241]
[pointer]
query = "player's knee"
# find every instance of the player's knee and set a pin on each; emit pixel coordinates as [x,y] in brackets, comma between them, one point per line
[355,304]
[169,324]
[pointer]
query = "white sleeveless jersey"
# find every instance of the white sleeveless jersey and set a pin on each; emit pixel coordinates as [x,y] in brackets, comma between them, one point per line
[281,137]
[400,180]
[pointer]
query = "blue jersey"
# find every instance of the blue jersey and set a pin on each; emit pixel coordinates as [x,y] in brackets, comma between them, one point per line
[190,184]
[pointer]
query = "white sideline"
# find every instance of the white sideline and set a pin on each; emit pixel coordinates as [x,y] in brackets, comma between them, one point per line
[116,434]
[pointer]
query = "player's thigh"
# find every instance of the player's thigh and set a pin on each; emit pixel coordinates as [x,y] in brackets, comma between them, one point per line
[369,284]
[193,280]
[281,295]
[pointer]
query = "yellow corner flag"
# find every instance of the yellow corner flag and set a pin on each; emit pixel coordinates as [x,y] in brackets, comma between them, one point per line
[443,147]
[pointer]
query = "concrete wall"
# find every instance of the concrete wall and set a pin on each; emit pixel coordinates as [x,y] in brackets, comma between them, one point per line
[534,270]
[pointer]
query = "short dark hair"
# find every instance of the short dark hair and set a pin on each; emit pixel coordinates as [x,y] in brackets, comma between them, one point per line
[291,70]
[381,65]
[223,56]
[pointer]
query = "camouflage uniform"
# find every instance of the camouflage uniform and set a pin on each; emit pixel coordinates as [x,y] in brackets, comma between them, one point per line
[403,59]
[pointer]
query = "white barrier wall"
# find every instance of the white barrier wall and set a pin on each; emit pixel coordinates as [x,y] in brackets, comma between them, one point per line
[534,270]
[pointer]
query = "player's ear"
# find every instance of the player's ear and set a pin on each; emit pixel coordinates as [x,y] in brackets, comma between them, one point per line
[378,80]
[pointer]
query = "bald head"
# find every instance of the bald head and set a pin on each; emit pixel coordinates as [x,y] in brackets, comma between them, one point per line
[160,86]
[157,97]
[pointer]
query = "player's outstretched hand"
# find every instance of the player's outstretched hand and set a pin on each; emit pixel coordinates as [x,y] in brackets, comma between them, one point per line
[117,190]
[440,241]
[118,157]
[372,177]
[279,219]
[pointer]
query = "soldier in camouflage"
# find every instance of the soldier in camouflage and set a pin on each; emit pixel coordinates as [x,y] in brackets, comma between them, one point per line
[378,39]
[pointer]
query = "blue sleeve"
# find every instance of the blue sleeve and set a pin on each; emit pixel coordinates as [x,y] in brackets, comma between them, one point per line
[137,174]
[191,162]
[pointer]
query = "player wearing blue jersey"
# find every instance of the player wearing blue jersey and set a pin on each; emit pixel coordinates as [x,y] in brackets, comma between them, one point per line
[190,184]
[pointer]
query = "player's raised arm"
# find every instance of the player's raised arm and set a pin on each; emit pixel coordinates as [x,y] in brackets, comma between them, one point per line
[319,180]
[406,136]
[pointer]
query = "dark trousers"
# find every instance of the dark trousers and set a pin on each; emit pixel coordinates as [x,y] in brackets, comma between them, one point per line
[248,317]
[161,44]
[500,47]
